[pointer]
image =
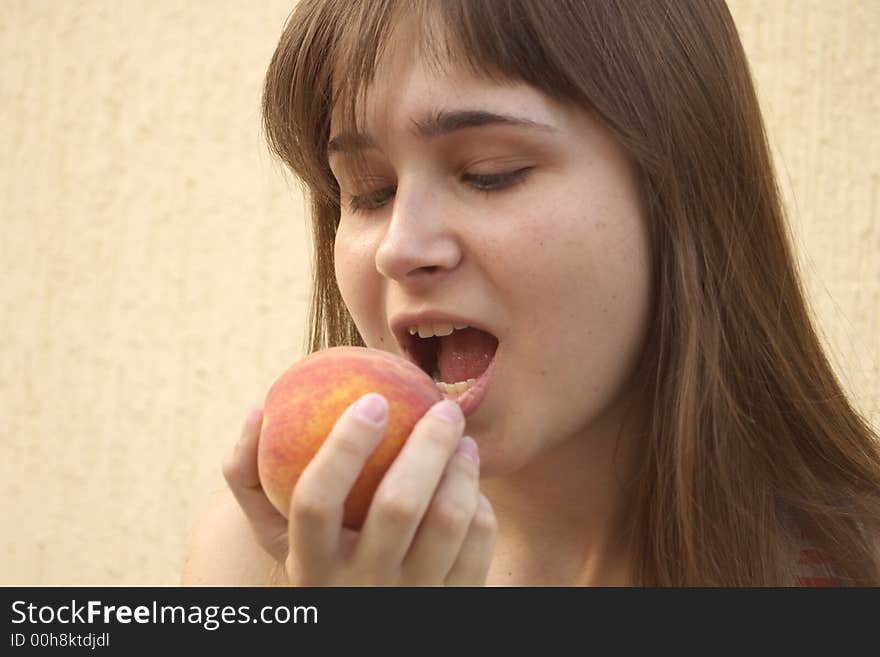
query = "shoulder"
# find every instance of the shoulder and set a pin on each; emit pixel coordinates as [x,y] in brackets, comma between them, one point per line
[222,550]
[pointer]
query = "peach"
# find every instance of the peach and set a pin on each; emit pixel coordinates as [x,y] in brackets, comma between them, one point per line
[304,403]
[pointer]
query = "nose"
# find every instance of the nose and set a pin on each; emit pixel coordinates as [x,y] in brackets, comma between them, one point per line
[419,243]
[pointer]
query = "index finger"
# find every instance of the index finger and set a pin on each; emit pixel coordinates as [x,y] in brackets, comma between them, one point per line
[319,496]
[409,485]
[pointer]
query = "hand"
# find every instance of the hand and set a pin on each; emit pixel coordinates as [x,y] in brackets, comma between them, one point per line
[428,523]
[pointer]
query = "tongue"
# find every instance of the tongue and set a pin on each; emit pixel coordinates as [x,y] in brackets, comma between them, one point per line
[465,354]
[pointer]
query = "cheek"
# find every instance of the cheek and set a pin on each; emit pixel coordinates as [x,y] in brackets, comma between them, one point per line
[356,277]
[588,283]
[594,248]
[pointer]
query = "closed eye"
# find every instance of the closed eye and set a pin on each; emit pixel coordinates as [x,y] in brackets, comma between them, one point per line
[488,182]
[371,200]
[483,182]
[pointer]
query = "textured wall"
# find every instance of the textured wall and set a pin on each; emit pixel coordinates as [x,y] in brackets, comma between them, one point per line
[155,261]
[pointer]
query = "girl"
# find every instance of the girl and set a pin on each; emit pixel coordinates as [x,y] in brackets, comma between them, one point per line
[582,193]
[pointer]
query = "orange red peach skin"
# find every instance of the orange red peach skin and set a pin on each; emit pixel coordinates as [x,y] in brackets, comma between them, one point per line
[304,403]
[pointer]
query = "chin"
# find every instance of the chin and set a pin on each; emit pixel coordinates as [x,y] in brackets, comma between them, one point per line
[497,460]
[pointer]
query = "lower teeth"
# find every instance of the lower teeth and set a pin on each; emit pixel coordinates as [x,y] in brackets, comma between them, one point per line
[453,388]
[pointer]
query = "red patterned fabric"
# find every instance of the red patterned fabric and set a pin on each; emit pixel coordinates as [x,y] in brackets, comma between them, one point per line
[813,565]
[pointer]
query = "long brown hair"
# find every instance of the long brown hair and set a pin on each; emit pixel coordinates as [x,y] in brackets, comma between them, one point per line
[752,442]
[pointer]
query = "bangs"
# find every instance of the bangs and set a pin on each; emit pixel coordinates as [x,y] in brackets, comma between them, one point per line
[330,51]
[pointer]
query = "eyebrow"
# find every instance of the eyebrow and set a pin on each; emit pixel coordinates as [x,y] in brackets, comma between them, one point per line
[440,123]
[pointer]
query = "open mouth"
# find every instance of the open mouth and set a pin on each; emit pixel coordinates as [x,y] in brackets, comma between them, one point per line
[455,361]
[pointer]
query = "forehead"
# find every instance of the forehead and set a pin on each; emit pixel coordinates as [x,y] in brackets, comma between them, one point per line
[409,95]
[417,67]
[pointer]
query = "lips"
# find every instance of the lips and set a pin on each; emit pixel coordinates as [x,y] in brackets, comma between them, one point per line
[423,351]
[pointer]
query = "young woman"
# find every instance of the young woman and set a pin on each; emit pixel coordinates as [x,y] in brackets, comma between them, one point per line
[587,188]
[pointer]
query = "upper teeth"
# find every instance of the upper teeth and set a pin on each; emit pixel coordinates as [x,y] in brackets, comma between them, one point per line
[435,328]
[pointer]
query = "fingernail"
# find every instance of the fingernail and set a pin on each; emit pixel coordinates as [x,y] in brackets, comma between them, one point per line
[467,447]
[448,410]
[372,407]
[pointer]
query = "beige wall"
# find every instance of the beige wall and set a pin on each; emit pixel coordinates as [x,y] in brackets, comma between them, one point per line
[155,262]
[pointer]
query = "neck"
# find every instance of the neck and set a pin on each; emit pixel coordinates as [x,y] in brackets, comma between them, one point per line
[562,519]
